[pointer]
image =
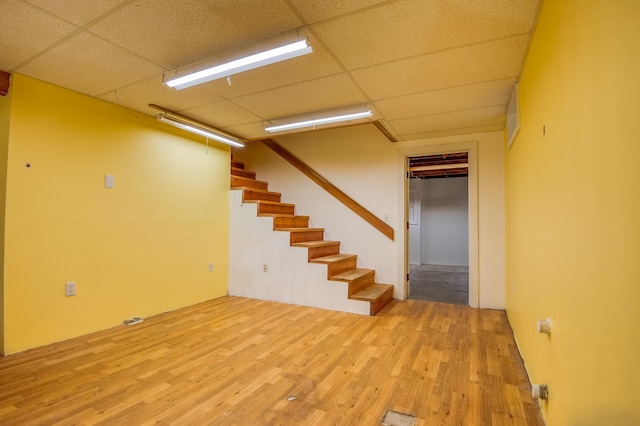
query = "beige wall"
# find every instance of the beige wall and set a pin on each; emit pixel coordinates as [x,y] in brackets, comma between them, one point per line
[136,250]
[573,203]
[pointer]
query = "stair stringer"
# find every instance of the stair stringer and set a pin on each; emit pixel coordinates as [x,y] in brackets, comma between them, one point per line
[290,277]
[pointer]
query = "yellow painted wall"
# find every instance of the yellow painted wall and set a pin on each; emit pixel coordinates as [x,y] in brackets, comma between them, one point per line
[5,110]
[136,250]
[573,212]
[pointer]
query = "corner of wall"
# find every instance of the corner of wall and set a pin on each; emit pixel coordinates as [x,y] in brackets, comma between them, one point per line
[5,121]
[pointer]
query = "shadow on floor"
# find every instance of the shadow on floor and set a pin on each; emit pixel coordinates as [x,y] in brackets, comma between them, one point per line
[438,283]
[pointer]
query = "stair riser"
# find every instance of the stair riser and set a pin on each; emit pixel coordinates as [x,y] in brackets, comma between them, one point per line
[275,209]
[301,237]
[315,252]
[243,173]
[248,194]
[290,222]
[340,267]
[381,302]
[237,164]
[360,284]
[255,184]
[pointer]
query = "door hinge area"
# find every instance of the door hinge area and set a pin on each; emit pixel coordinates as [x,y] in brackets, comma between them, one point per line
[407,277]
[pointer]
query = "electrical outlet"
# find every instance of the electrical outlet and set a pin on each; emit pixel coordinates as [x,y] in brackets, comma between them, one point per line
[210,267]
[265,268]
[70,289]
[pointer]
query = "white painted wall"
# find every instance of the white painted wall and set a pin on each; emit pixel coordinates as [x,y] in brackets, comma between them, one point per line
[289,278]
[444,229]
[365,165]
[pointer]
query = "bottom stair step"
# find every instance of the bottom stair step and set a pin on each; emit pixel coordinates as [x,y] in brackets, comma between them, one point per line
[377,294]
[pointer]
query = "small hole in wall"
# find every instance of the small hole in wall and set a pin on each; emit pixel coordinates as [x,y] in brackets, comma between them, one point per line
[544,131]
[27,165]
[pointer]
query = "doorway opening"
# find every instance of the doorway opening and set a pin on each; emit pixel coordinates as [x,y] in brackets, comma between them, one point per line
[439,228]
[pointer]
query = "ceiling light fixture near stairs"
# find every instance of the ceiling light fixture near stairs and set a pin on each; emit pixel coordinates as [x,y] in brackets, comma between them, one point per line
[185,123]
[318,118]
[257,60]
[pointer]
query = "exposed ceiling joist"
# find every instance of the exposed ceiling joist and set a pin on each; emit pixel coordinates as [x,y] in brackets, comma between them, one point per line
[5,81]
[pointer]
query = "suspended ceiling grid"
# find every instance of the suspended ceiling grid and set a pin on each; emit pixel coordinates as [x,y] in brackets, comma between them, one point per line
[427,68]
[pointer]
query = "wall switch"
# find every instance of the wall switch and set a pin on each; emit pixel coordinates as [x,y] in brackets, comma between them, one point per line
[265,268]
[210,267]
[109,181]
[70,289]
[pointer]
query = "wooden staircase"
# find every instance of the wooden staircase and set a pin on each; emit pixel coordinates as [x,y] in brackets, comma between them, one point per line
[340,267]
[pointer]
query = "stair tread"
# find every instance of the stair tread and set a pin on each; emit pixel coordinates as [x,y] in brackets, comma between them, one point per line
[372,293]
[291,216]
[333,258]
[300,229]
[256,190]
[352,274]
[316,243]
[248,179]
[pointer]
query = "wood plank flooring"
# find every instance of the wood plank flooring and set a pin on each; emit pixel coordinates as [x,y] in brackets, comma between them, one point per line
[238,361]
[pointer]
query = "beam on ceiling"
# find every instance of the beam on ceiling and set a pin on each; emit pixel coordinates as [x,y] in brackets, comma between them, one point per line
[5,82]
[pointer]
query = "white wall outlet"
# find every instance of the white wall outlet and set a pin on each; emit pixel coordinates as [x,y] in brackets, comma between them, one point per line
[265,268]
[109,181]
[70,289]
[210,267]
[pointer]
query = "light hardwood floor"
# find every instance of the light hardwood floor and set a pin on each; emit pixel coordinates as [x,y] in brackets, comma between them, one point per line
[237,361]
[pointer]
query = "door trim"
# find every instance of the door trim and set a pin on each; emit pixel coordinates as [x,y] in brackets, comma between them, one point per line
[471,148]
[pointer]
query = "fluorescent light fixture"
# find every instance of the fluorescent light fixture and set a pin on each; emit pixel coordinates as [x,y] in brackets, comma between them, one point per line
[257,60]
[326,119]
[202,130]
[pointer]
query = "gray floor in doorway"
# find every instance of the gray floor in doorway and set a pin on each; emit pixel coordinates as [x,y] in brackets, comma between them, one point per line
[438,283]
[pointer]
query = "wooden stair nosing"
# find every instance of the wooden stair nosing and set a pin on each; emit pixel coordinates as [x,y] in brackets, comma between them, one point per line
[300,229]
[334,258]
[319,243]
[259,194]
[353,275]
[248,184]
[372,293]
[248,180]
[242,173]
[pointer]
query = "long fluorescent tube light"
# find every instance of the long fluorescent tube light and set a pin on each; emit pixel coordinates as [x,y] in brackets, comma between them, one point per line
[257,60]
[318,121]
[199,131]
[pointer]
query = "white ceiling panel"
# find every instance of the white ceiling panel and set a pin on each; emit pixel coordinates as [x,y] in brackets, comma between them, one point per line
[304,97]
[417,27]
[219,114]
[178,33]
[20,18]
[79,12]
[139,95]
[89,64]
[451,120]
[479,95]
[493,60]
[453,132]
[314,11]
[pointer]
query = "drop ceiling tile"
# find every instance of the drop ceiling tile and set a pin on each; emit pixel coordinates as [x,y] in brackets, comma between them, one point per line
[452,120]
[324,93]
[139,95]
[471,96]
[493,60]
[453,132]
[417,27]
[308,67]
[248,131]
[90,65]
[79,12]
[178,33]
[314,11]
[25,31]
[221,114]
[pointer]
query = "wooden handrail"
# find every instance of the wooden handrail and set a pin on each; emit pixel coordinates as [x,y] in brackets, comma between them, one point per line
[331,188]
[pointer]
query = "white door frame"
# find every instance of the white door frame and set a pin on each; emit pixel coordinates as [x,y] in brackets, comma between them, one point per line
[403,211]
